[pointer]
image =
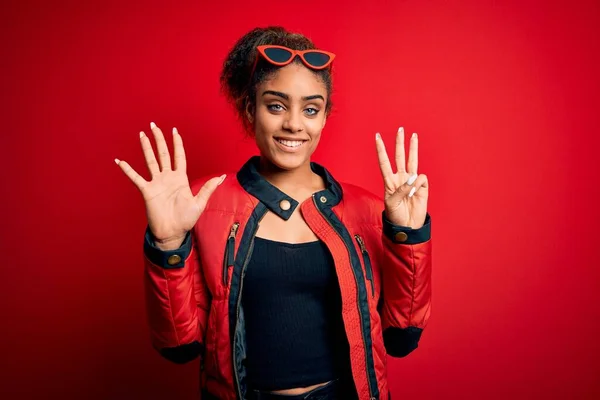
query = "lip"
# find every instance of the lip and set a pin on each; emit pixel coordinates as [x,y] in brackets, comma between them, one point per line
[289,149]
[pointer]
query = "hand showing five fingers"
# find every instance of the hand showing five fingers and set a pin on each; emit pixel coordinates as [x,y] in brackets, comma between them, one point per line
[406,192]
[171,208]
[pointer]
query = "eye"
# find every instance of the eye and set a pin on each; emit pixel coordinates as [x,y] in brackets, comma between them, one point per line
[311,111]
[275,107]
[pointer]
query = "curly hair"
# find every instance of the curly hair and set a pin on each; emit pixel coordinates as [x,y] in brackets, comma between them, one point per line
[237,84]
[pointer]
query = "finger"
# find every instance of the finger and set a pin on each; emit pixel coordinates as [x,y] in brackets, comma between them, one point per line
[161,147]
[130,172]
[413,155]
[420,182]
[149,155]
[178,152]
[384,164]
[404,189]
[400,156]
[207,190]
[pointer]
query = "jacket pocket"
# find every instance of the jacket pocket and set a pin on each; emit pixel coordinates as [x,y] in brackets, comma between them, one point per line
[367,262]
[229,256]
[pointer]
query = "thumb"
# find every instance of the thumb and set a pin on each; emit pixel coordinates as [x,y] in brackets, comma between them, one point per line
[207,190]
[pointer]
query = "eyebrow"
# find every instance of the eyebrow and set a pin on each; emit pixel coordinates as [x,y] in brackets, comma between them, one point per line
[286,97]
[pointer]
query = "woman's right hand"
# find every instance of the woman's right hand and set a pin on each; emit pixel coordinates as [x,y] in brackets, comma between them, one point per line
[171,208]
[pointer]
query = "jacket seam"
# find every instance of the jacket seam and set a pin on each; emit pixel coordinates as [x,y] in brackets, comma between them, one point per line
[367,225]
[171,308]
[412,295]
[228,212]
[424,314]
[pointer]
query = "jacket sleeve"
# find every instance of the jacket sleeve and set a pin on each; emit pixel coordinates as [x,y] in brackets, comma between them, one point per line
[177,299]
[406,281]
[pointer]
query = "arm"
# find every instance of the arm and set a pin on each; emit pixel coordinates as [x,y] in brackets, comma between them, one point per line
[177,300]
[406,277]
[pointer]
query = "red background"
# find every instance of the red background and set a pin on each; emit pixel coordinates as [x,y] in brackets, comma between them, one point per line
[504,96]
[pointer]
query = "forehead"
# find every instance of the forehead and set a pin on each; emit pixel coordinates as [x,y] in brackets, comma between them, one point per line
[295,80]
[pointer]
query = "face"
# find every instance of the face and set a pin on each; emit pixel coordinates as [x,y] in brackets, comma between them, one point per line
[289,116]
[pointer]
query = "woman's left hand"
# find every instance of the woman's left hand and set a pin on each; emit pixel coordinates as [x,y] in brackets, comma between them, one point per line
[406,192]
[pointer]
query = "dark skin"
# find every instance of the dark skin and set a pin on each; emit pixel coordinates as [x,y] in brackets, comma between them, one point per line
[289,107]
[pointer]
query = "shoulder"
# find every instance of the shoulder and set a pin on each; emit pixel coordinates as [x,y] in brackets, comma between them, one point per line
[361,204]
[229,197]
[229,182]
[355,192]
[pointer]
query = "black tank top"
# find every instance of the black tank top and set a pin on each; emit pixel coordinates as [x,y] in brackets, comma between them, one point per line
[291,300]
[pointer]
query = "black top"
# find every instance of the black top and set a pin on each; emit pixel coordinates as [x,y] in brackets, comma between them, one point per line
[291,301]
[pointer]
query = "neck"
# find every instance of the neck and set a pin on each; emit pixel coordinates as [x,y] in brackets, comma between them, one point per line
[289,180]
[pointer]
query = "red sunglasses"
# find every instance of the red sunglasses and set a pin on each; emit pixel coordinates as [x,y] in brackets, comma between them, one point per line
[280,56]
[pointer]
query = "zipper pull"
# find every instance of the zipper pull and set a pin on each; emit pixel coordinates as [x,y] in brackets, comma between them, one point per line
[233,230]
[228,257]
[367,262]
[361,243]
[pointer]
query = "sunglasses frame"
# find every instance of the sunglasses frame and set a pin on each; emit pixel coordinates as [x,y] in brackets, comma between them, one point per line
[262,51]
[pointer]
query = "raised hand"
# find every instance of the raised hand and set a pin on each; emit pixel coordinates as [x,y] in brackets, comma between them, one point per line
[171,208]
[406,192]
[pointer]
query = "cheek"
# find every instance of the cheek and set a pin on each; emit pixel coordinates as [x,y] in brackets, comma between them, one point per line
[315,127]
[316,137]
[264,128]
[267,123]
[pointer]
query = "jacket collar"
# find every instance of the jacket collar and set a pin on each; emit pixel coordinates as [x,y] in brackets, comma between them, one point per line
[255,184]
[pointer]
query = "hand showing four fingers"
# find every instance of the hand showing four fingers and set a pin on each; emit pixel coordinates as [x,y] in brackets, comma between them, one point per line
[406,192]
[171,208]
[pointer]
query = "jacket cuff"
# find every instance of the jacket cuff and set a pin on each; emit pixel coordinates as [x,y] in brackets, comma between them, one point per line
[405,234]
[183,353]
[400,342]
[168,259]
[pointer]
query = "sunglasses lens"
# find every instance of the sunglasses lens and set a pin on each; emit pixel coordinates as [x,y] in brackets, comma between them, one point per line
[278,55]
[316,59]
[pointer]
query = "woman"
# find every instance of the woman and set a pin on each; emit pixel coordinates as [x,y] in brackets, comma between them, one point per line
[287,283]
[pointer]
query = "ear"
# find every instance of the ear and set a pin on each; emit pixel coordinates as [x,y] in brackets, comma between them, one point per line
[324,120]
[249,112]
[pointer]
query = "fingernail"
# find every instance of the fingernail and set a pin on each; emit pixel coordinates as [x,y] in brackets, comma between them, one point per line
[401,130]
[412,191]
[152,125]
[412,179]
[222,179]
[117,161]
[414,135]
[377,136]
[141,135]
[175,131]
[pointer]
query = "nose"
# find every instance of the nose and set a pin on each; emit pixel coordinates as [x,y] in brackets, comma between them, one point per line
[293,123]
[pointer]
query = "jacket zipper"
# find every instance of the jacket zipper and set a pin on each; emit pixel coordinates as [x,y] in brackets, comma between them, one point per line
[367,261]
[229,256]
[239,300]
[362,328]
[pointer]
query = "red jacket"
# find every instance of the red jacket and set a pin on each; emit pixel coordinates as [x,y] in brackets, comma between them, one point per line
[193,293]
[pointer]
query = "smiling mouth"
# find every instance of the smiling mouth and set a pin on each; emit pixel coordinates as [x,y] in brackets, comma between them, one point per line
[292,144]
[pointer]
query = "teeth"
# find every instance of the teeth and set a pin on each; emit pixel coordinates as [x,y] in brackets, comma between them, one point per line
[290,143]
